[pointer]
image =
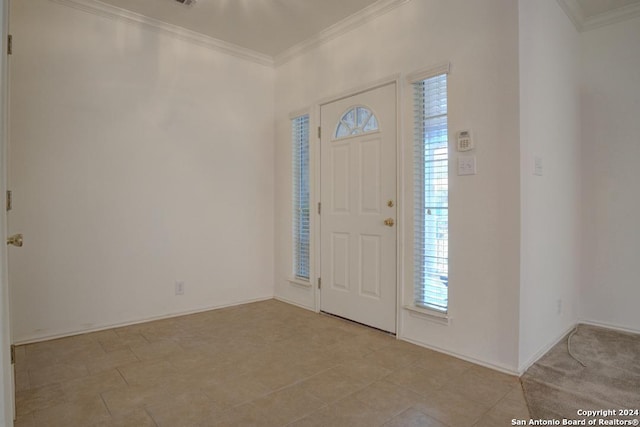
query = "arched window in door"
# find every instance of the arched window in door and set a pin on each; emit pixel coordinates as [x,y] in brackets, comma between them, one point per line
[355,121]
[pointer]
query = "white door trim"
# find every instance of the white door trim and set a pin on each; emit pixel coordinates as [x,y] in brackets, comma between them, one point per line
[400,212]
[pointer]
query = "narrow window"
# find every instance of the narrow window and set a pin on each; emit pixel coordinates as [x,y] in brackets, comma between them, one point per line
[300,139]
[431,194]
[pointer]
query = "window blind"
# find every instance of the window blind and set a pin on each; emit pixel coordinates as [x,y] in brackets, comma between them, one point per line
[301,219]
[431,194]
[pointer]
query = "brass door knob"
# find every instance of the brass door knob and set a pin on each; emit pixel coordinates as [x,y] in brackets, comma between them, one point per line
[389,222]
[15,240]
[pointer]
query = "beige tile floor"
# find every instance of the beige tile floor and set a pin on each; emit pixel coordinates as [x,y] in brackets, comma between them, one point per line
[265,363]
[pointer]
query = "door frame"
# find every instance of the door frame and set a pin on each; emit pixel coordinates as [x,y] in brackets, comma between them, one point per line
[317,180]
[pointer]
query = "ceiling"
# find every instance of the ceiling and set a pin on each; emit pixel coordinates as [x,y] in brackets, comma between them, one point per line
[269,27]
[271,30]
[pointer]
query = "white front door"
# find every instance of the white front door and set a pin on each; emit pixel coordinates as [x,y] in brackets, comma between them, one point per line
[358,207]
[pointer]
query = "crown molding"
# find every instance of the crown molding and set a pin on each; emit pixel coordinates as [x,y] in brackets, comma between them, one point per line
[575,13]
[367,14]
[612,17]
[102,9]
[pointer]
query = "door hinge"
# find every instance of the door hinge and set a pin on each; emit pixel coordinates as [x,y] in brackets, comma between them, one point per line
[319,208]
[319,132]
[13,354]
[319,283]
[9,44]
[9,201]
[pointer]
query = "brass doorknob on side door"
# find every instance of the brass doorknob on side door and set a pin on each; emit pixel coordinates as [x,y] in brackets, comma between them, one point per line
[389,222]
[15,240]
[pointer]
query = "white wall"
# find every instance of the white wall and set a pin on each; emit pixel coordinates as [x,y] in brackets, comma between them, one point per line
[611,133]
[480,39]
[136,159]
[550,204]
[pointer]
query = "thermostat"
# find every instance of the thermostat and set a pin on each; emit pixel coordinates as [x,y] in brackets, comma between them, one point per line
[465,143]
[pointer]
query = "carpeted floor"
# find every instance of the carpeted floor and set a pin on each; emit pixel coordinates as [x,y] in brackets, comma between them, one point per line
[557,386]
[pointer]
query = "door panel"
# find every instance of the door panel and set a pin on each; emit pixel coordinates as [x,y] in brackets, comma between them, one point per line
[358,178]
[370,178]
[340,179]
[370,264]
[340,261]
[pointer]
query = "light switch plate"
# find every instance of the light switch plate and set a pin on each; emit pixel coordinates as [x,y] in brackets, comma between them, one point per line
[467,165]
[537,166]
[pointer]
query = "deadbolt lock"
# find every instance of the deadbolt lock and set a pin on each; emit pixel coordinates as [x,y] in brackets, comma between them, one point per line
[390,203]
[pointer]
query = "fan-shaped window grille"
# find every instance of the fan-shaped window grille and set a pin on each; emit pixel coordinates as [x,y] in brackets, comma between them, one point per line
[356,121]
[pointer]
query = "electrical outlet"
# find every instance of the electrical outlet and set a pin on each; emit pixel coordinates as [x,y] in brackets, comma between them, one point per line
[467,165]
[179,287]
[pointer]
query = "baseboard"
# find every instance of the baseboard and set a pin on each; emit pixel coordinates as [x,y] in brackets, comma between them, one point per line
[288,301]
[495,367]
[609,326]
[544,349]
[135,322]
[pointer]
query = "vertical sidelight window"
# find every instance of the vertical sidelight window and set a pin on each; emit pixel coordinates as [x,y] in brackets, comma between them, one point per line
[431,197]
[301,217]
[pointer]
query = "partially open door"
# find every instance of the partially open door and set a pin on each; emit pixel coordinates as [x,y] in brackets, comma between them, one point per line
[7,401]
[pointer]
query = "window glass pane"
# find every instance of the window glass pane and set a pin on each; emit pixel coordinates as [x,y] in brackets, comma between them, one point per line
[432,194]
[363,116]
[350,118]
[371,125]
[342,131]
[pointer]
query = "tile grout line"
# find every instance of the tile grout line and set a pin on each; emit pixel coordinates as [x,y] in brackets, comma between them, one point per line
[105,405]
[122,376]
[146,411]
